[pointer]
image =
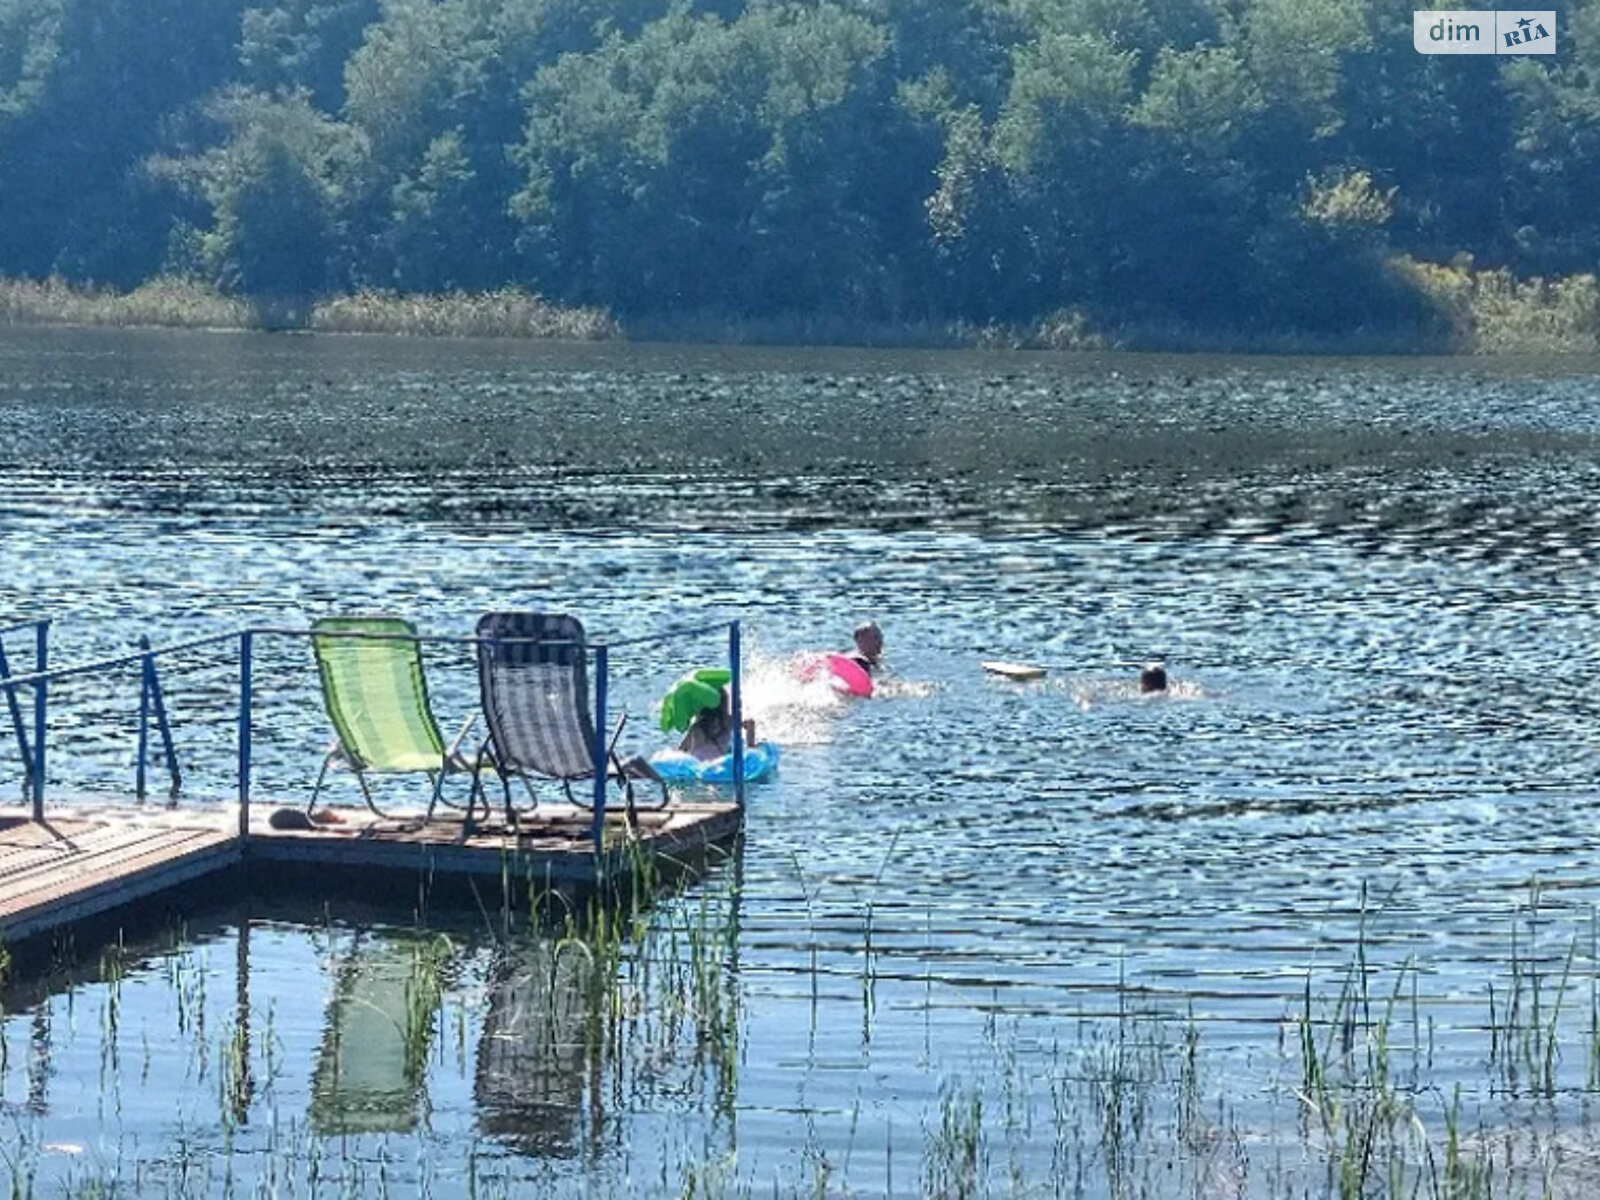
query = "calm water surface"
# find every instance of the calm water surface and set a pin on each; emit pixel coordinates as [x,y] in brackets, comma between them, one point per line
[1373,582]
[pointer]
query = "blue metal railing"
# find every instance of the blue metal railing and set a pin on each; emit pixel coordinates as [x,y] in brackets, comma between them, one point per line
[246,699]
[602,677]
[40,679]
[735,665]
[151,701]
[40,627]
[602,662]
[41,663]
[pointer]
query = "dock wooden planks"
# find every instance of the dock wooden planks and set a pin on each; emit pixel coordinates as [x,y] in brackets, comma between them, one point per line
[72,868]
[85,861]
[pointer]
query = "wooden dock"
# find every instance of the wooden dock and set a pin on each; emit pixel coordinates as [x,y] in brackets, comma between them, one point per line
[88,863]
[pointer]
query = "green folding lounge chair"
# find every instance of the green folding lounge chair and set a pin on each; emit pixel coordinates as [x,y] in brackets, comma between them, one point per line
[377,700]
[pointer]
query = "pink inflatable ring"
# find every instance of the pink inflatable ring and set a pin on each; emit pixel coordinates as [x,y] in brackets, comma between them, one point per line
[845,674]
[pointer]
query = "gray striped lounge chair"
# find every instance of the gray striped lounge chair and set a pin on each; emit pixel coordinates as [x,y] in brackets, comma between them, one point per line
[534,683]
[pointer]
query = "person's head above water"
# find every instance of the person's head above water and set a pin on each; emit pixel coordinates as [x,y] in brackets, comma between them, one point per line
[710,734]
[1153,678]
[869,641]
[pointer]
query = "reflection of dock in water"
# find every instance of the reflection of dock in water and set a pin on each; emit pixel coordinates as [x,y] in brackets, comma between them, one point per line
[535,1065]
[98,863]
[545,1026]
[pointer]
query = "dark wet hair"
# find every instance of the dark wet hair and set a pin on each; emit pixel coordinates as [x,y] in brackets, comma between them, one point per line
[716,722]
[1153,678]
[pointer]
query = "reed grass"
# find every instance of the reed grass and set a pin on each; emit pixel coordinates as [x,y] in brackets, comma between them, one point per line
[1125,1106]
[175,302]
[165,302]
[1494,312]
[955,1163]
[505,312]
[1474,311]
[1477,312]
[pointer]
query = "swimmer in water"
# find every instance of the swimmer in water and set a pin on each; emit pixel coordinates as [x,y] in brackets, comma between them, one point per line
[1153,679]
[868,648]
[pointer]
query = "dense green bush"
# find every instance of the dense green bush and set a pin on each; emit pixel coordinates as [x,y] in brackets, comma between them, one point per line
[1246,170]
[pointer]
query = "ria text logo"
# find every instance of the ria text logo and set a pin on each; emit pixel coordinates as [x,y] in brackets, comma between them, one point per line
[1485,31]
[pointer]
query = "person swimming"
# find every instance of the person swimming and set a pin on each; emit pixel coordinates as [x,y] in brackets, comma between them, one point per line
[1153,678]
[868,647]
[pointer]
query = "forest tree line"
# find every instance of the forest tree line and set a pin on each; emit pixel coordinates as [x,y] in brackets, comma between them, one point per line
[1210,164]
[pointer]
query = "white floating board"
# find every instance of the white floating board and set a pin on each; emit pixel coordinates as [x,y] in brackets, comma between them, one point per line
[1017,671]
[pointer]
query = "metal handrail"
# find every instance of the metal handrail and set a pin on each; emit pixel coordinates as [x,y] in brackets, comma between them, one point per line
[121,660]
[19,730]
[472,640]
[664,635]
[33,763]
[150,698]
[40,679]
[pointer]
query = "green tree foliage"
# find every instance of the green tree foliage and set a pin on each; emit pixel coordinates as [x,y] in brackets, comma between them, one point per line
[1062,138]
[1297,51]
[85,89]
[966,42]
[1552,213]
[1233,164]
[276,186]
[437,88]
[30,32]
[1204,98]
[1200,112]
[303,45]
[711,165]
[1436,126]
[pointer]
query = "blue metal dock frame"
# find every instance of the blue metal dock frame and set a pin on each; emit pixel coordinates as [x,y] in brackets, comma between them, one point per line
[32,768]
[151,700]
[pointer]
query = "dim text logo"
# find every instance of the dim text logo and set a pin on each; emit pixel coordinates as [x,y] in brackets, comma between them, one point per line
[1486,31]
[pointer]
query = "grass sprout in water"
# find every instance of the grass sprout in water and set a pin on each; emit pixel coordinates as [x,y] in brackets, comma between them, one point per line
[564,1043]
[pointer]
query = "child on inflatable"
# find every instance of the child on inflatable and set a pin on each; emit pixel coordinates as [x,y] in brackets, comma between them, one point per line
[701,705]
[710,732]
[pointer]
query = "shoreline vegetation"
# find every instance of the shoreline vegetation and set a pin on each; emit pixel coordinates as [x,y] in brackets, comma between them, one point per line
[172,302]
[1475,311]
[1221,175]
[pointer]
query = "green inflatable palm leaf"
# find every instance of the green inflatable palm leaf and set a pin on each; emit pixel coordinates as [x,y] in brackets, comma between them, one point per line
[693,694]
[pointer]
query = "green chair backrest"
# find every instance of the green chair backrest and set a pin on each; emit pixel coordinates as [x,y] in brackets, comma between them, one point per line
[375,694]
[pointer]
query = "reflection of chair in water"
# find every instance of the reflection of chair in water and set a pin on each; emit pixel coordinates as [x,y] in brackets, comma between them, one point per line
[530,1082]
[371,1071]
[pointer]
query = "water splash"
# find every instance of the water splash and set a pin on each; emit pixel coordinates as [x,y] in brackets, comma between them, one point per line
[787,709]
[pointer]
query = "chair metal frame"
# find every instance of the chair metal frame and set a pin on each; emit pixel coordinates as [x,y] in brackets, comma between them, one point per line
[343,751]
[510,641]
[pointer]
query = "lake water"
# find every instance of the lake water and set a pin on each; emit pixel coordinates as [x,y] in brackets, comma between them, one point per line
[967,913]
